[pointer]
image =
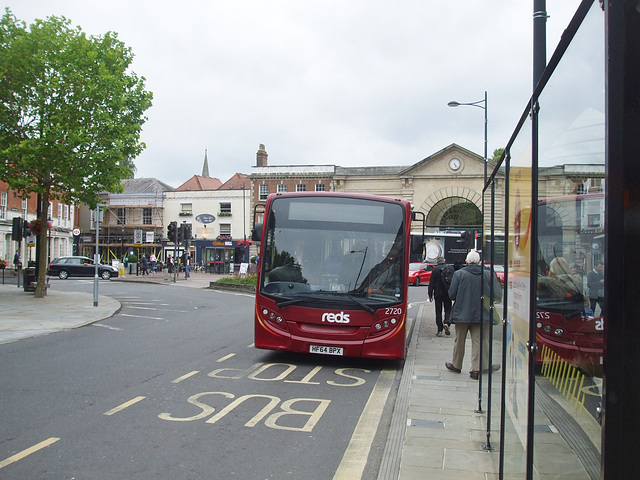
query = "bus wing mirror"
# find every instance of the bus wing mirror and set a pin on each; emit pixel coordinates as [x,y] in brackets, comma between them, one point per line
[417,244]
[256,233]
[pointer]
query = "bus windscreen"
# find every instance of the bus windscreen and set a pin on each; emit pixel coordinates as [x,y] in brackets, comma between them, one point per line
[316,246]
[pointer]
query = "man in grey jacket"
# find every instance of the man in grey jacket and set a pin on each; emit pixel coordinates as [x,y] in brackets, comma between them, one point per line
[465,291]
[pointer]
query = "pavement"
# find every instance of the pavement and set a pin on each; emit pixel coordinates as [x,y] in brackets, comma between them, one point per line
[435,431]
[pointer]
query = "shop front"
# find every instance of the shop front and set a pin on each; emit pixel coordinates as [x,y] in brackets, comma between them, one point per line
[222,255]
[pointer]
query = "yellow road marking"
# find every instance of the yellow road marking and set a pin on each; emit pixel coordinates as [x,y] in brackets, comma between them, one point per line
[124,405]
[184,377]
[20,455]
[226,357]
[355,457]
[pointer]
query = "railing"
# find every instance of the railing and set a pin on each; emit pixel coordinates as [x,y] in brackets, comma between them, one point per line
[566,378]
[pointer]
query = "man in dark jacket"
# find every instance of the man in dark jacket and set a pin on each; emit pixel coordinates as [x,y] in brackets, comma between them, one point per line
[439,289]
[468,314]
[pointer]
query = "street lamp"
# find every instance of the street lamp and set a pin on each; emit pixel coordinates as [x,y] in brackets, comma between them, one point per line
[483,105]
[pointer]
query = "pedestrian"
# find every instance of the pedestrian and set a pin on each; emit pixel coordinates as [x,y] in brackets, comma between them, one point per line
[439,285]
[465,291]
[186,260]
[16,261]
[153,260]
[170,264]
[145,264]
[595,284]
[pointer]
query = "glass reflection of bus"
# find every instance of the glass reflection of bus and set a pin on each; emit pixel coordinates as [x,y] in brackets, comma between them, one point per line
[571,240]
[332,277]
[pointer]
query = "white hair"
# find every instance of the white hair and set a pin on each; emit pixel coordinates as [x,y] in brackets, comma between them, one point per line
[473,257]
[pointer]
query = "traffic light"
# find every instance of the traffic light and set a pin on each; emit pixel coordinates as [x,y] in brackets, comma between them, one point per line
[171,231]
[184,232]
[25,229]
[16,231]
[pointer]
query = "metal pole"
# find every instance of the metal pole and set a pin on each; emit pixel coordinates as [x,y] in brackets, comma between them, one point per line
[96,257]
[488,446]
[482,293]
[484,236]
[539,39]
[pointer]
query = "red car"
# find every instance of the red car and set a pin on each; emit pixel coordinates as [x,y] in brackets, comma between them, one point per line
[420,273]
[499,269]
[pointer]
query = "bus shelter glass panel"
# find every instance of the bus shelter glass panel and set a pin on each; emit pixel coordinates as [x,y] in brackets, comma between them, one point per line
[515,334]
[493,255]
[570,248]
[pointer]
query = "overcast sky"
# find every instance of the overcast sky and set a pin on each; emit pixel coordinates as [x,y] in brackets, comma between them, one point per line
[340,82]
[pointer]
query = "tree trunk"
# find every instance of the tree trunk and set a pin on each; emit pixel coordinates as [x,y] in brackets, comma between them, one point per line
[41,291]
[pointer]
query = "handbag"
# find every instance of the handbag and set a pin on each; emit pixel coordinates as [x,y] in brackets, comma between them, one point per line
[497,315]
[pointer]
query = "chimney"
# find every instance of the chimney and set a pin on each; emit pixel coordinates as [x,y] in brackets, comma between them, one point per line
[261,157]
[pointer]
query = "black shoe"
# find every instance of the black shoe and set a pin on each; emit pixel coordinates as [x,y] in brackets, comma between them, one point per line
[446,329]
[450,366]
[474,375]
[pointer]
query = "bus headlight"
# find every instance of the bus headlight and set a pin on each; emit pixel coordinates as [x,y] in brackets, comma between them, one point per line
[272,318]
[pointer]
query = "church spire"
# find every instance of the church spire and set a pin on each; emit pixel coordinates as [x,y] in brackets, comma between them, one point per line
[205,167]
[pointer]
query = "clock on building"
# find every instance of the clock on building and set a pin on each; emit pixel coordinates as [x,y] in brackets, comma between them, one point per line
[454,164]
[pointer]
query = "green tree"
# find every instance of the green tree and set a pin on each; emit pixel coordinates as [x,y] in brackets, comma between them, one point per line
[71,113]
[497,153]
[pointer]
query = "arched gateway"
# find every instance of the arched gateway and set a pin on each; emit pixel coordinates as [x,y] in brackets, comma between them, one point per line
[453,206]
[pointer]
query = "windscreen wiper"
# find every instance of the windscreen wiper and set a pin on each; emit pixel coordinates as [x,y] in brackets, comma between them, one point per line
[286,301]
[364,305]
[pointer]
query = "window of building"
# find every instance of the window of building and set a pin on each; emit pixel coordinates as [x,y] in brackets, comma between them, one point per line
[263,191]
[186,209]
[121,216]
[3,205]
[282,187]
[60,209]
[225,230]
[146,216]
[65,215]
[320,187]
[225,209]
[301,187]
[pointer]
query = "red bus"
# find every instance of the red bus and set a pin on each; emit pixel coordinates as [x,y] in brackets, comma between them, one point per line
[332,276]
[571,242]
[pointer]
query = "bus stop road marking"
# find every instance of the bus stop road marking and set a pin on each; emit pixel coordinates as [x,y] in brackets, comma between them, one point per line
[25,453]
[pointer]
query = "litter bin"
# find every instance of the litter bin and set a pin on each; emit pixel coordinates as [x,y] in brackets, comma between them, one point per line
[29,279]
